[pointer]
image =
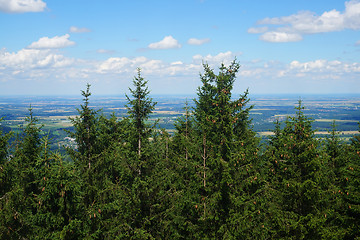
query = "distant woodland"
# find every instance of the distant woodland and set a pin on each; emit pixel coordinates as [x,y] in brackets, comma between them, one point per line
[211,179]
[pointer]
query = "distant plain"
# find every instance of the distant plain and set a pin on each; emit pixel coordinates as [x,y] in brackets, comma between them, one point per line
[54,112]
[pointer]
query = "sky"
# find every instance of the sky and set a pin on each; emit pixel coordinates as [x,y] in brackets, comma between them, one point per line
[52,47]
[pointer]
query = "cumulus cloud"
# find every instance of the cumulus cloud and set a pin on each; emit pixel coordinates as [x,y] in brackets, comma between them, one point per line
[119,64]
[290,28]
[258,30]
[280,37]
[21,6]
[167,43]
[26,59]
[79,30]
[321,68]
[55,42]
[127,66]
[195,41]
[226,58]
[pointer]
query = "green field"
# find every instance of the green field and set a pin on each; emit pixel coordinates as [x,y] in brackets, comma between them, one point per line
[53,113]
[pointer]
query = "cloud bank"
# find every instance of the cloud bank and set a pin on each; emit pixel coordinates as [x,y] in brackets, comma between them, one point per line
[292,28]
[22,6]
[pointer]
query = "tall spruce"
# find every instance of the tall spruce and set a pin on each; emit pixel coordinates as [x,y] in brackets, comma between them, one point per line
[298,178]
[89,162]
[4,151]
[351,190]
[141,161]
[223,126]
[5,182]
[335,155]
[140,106]
[19,203]
[85,134]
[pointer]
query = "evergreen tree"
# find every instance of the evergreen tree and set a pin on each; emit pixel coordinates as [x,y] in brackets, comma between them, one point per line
[140,184]
[224,133]
[139,109]
[5,181]
[336,157]
[182,171]
[19,204]
[57,212]
[298,178]
[351,189]
[183,137]
[4,138]
[85,134]
[90,158]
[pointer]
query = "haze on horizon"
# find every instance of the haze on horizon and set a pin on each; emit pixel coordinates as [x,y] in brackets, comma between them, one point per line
[298,47]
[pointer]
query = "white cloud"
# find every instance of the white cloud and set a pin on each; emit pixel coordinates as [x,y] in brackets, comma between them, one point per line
[120,64]
[55,42]
[79,30]
[321,67]
[46,64]
[166,43]
[258,30]
[105,51]
[290,28]
[352,14]
[195,41]
[357,43]
[280,37]
[33,58]
[21,6]
[226,58]
[154,67]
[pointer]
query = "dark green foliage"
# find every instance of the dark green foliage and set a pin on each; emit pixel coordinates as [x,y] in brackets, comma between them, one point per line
[212,143]
[19,204]
[139,110]
[4,138]
[297,173]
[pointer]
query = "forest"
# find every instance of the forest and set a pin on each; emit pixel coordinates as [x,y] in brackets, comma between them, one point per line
[212,179]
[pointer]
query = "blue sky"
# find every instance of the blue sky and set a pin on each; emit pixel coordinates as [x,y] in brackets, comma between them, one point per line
[56,47]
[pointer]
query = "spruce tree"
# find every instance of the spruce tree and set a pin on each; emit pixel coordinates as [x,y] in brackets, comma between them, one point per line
[335,155]
[224,132]
[5,181]
[4,138]
[296,173]
[351,189]
[141,161]
[139,109]
[19,204]
[58,201]
[90,160]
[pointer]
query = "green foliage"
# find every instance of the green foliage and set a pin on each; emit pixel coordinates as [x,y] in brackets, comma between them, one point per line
[139,110]
[297,174]
[4,138]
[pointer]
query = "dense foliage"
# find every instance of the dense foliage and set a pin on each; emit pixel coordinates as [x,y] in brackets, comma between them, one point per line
[212,179]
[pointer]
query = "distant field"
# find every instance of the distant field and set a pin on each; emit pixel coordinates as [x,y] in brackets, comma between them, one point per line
[54,112]
[268,133]
[56,117]
[167,112]
[336,120]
